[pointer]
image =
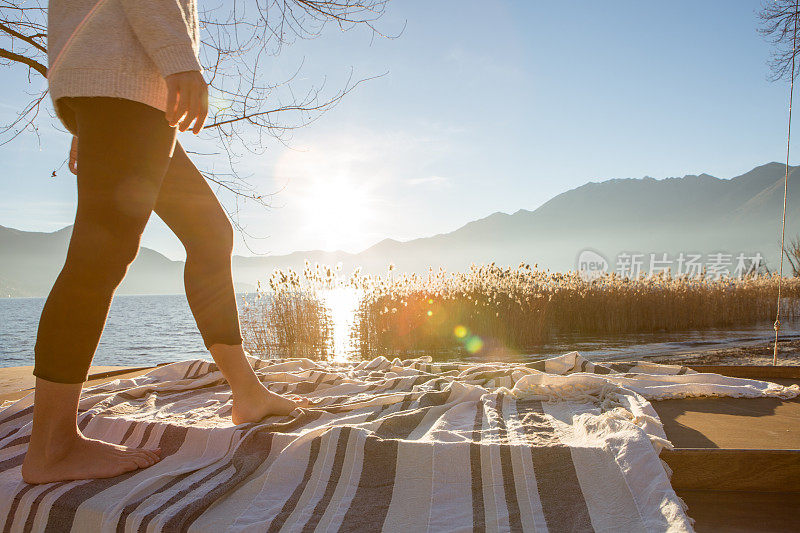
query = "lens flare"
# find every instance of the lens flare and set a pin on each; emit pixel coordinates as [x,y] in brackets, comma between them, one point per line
[430,313]
[473,344]
[460,332]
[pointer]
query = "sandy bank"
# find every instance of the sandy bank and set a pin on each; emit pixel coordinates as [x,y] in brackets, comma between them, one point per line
[17,381]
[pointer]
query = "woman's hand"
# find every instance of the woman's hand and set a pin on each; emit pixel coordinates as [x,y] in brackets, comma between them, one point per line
[73,156]
[187,100]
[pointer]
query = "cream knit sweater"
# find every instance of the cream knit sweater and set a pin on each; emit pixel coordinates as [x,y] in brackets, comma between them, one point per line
[125,49]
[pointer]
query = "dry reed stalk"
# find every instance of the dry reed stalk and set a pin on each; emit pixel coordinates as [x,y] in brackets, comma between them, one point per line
[489,307]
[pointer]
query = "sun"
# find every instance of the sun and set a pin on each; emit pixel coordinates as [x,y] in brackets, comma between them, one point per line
[336,210]
[332,190]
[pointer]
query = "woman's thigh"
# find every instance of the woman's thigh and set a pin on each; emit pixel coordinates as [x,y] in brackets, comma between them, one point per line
[124,150]
[189,207]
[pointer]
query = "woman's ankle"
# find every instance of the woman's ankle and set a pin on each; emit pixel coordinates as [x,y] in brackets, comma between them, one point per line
[55,424]
[232,362]
[55,445]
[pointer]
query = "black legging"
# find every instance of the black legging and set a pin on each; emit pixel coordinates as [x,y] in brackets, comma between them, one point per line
[130,165]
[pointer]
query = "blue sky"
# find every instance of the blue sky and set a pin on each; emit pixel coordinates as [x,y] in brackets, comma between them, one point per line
[485,107]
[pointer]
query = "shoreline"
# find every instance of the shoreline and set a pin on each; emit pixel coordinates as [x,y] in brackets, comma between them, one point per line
[745,355]
[19,380]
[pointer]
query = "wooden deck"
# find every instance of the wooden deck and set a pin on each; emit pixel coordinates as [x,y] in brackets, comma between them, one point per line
[736,461]
[18,381]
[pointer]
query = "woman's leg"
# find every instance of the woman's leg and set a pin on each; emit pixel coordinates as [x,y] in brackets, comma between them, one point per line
[124,150]
[188,206]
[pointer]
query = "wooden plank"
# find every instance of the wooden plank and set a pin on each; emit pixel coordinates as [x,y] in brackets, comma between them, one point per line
[113,373]
[734,470]
[758,423]
[752,372]
[765,512]
[17,378]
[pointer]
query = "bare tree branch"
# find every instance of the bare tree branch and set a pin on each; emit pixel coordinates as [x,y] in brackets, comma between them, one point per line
[779,19]
[38,67]
[28,39]
[249,108]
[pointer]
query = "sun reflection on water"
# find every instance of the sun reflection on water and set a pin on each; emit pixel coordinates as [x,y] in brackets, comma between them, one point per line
[342,305]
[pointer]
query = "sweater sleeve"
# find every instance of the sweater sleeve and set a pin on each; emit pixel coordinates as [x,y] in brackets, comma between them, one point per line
[165,34]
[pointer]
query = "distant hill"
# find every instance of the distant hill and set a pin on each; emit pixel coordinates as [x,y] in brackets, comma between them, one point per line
[31,262]
[701,214]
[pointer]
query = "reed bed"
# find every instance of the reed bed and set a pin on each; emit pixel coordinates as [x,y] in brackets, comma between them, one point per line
[286,320]
[496,311]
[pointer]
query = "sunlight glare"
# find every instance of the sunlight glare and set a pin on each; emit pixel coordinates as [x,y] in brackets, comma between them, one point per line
[337,210]
[342,304]
[332,192]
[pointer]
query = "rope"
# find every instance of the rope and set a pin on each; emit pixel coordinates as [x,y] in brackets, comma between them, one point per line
[777,325]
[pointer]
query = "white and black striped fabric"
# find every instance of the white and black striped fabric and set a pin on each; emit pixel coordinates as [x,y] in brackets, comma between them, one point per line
[387,445]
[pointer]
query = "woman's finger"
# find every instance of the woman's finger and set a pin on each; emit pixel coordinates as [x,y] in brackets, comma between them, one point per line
[172,101]
[203,111]
[183,105]
[193,112]
[73,156]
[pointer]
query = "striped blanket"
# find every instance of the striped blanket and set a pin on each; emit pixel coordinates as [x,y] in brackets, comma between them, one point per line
[558,445]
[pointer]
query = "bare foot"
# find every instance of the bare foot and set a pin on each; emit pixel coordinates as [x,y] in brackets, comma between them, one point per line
[83,458]
[255,403]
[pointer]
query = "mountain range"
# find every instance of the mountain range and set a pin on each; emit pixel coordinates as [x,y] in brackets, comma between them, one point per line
[694,214]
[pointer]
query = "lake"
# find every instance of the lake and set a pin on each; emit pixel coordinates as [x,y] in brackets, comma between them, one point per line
[147,330]
[140,331]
